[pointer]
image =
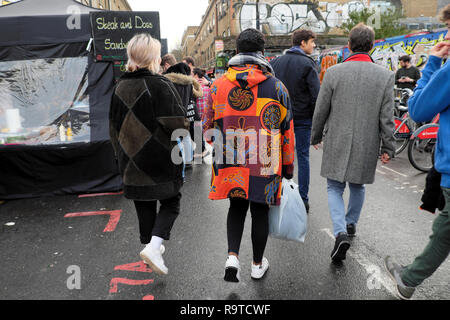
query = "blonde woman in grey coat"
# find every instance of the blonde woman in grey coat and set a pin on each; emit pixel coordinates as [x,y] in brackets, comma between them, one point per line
[353,115]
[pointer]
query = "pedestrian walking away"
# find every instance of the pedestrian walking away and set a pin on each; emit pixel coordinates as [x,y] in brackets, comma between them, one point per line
[431,97]
[199,75]
[298,72]
[145,110]
[189,90]
[248,100]
[354,109]
[191,63]
[167,61]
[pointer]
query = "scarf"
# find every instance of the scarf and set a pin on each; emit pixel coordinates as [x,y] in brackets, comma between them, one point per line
[364,57]
[251,58]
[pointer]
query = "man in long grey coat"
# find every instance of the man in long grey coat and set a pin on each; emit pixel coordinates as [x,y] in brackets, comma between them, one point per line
[354,112]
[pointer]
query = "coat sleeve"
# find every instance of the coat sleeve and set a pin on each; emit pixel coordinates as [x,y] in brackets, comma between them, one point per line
[431,95]
[287,132]
[387,126]
[397,77]
[113,125]
[171,114]
[313,81]
[322,110]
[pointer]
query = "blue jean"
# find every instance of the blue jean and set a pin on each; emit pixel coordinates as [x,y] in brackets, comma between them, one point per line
[302,129]
[337,207]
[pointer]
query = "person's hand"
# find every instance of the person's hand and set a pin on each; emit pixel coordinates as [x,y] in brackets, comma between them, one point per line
[408,79]
[441,50]
[203,81]
[317,146]
[385,158]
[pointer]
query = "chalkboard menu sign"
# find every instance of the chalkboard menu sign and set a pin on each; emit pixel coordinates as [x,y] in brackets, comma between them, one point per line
[113,29]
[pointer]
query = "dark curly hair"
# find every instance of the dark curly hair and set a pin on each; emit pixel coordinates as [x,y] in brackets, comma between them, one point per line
[250,40]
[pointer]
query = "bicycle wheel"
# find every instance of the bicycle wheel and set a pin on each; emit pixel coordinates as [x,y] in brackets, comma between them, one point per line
[420,153]
[400,144]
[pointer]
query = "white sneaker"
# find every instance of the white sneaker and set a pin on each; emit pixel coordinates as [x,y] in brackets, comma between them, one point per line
[259,271]
[154,259]
[163,249]
[232,269]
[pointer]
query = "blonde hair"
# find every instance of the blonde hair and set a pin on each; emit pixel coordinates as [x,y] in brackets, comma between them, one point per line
[143,52]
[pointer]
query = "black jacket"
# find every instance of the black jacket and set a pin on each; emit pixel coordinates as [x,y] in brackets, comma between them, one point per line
[298,72]
[188,88]
[145,110]
[433,197]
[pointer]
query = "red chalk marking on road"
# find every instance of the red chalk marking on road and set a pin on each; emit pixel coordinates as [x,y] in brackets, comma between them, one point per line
[113,286]
[135,266]
[113,220]
[149,297]
[100,194]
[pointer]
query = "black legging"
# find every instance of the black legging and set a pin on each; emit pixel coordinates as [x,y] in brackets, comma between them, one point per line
[159,224]
[260,226]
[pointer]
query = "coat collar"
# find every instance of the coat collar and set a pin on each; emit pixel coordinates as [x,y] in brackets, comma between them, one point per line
[297,50]
[184,80]
[299,53]
[137,74]
[360,56]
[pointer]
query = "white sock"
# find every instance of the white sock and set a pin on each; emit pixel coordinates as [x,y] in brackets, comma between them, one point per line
[156,242]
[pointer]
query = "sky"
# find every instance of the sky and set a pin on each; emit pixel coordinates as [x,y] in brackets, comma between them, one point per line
[175,16]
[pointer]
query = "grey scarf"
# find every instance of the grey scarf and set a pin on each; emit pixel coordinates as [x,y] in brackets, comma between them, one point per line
[251,58]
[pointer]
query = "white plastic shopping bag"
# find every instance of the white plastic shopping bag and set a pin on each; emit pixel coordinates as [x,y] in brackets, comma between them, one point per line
[289,220]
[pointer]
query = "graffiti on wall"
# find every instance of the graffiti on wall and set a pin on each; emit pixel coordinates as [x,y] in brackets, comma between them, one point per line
[284,17]
[328,59]
[387,52]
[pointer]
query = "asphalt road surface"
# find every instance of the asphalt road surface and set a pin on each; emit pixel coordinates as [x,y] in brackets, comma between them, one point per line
[75,247]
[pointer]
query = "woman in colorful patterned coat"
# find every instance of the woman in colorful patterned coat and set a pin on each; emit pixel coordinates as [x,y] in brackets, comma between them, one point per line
[251,111]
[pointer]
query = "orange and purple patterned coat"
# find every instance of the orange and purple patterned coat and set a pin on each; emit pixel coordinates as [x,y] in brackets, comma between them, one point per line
[251,110]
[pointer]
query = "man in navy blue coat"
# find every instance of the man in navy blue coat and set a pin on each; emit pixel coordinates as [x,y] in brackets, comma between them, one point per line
[299,74]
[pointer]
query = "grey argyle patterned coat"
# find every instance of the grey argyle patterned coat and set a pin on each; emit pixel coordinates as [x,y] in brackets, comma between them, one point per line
[145,110]
[353,116]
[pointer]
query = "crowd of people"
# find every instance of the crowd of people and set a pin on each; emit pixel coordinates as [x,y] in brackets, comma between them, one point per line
[272,112]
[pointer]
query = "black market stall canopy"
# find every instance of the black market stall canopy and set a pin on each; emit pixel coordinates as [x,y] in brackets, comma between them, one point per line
[55,98]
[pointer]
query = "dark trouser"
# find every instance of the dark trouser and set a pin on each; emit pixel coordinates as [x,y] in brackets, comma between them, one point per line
[435,252]
[191,131]
[153,224]
[260,226]
[302,129]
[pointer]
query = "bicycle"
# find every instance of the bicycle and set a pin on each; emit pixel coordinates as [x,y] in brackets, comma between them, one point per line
[404,125]
[422,145]
[419,138]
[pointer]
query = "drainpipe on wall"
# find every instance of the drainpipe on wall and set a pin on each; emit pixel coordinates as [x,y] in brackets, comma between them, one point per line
[257,15]
[217,20]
